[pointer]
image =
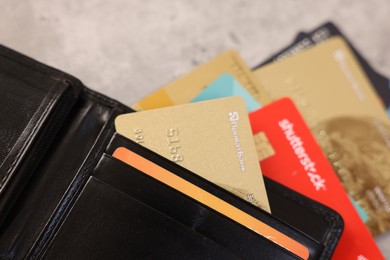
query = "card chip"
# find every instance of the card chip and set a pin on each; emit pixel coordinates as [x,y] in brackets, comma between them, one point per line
[263,147]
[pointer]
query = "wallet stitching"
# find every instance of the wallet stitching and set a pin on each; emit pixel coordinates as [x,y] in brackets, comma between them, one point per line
[37,124]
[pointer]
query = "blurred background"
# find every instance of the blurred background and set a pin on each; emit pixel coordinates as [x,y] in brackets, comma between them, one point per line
[128,48]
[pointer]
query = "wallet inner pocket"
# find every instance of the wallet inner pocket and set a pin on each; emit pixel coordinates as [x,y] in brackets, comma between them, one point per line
[127,228]
[120,141]
[189,212]
[22,93]
[30,95]
[35,101]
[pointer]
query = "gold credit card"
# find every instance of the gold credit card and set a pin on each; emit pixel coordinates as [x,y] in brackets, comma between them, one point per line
[184,89]
[339,104]
[211,138]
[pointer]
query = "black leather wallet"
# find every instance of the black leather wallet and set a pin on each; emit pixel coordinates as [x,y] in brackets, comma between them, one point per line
[63,196]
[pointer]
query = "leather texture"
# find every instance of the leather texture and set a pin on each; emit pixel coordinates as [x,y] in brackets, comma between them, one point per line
[121,225]
[62,197]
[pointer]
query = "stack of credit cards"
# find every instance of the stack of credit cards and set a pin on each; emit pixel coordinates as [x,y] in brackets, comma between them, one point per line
[313,117]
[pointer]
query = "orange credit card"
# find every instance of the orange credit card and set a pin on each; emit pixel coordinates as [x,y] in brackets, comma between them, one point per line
[157,172]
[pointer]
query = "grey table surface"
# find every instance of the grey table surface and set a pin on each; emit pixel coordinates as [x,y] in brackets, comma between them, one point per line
[128,48]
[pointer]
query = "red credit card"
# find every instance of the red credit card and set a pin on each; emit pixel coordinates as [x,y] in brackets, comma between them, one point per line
[290,155]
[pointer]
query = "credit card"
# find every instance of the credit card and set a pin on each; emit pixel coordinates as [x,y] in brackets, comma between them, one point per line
[211,138]
[210,200]
[380,83]
[184,89]
[343,111]
[323,33]
[227,86]
[306,170]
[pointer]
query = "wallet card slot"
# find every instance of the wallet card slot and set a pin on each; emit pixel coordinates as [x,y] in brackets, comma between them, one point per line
[127,228]
[219,228]
[317,221]
[313,245]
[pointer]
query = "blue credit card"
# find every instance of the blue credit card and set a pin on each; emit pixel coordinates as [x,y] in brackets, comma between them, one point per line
[227,86]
